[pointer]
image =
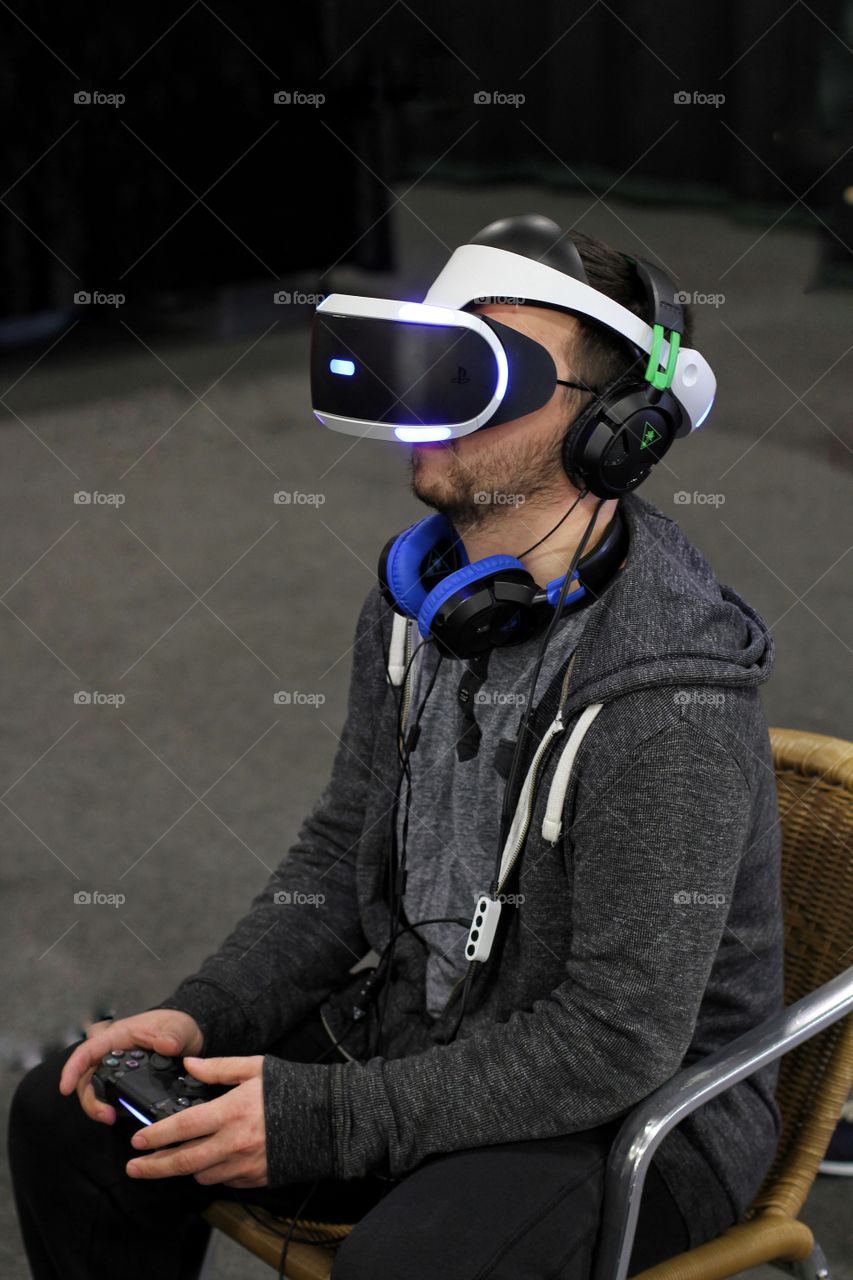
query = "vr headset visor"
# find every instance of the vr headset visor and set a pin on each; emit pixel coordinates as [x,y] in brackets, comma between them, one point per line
[408,371]
[428,371]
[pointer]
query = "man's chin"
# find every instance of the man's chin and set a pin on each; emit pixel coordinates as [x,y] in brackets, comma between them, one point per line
[429,467]
[438,480]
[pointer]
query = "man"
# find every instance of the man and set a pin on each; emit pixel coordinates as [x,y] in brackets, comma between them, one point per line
[461,1112]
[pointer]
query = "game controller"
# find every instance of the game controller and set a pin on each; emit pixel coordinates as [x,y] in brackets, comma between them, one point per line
[149,1086]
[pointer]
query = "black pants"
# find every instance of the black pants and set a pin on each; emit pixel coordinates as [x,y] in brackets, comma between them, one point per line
[517,1211]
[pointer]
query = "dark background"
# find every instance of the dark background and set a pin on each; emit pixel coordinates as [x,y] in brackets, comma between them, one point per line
[199,180]
[192,595]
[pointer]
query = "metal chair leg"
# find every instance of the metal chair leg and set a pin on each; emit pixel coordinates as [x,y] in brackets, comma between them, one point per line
[814,1267]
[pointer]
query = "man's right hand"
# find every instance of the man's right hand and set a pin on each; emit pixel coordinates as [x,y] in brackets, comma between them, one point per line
[166,1031]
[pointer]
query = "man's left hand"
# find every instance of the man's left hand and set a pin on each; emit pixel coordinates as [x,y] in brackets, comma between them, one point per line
[223,1140]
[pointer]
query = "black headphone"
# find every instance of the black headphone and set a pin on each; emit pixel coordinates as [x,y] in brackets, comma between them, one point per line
[468,609]
[614,442]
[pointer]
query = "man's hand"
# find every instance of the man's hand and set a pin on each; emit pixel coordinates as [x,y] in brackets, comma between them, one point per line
[221,1141]
[166,1031]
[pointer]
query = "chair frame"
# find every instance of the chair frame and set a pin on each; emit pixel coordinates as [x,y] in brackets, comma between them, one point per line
[650,1122]
[771,1231]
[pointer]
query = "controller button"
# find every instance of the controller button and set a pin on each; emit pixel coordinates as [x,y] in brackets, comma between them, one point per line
[117,1053]
[137,1053]
[131,1064]
[160,1062]
[110,1061]
[190,1082]
[182,1102]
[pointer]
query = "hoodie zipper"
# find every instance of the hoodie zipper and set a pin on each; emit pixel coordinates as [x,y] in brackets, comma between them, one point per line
[554,728]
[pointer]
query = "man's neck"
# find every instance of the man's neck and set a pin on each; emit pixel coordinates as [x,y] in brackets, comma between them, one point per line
[514,528]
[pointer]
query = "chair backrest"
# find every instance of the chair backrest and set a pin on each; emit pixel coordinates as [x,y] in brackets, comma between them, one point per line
[814,779]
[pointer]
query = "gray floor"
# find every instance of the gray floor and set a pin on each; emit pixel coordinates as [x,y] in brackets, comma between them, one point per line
[199,597]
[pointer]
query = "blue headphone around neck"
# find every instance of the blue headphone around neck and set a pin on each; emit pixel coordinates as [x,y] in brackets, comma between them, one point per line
[424,573]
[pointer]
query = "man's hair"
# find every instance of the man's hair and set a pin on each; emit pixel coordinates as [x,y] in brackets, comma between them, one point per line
[601,356]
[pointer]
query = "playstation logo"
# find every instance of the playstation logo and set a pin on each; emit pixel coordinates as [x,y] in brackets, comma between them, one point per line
[461,377]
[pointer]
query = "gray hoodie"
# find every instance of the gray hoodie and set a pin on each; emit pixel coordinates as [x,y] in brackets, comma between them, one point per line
[649,935]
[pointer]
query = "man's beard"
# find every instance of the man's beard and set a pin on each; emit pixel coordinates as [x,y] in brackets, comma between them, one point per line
[472,496]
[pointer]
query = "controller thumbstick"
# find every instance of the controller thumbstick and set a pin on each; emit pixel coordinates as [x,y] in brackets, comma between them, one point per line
[159,1062]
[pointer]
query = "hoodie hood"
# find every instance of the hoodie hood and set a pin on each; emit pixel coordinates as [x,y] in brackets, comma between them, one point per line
[677,625]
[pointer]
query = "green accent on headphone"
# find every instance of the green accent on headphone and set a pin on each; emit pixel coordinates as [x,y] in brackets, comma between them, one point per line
[661,379]
[650,435]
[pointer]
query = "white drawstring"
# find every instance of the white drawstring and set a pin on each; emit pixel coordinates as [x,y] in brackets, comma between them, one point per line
[397,650]
[552,823]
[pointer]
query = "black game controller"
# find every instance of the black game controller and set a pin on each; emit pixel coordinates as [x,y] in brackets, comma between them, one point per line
[149,1086]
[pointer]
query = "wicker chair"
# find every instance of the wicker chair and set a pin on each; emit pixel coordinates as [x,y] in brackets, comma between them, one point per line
[814,776]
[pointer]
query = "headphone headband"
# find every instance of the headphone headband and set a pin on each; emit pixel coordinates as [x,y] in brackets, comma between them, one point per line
[468,609]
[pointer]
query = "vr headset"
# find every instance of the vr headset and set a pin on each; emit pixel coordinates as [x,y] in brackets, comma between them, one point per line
[421,372]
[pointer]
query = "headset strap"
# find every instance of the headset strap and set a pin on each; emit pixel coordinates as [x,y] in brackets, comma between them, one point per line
[666,319]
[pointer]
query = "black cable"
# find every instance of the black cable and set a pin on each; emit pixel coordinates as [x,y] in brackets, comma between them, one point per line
[509,790]
[522,731]
[413,928]
[318,1236]
[289,1237]
[398,888]
[310,1236]
[397,866]
[554,530]
[466,987]
[404,765]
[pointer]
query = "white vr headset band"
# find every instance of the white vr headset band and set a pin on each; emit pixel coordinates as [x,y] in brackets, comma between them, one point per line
[477,273]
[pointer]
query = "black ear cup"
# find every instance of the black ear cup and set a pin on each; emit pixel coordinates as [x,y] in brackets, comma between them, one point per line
[614,442]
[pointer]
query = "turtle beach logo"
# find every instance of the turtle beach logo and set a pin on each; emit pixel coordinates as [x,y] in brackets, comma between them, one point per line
[650,436]
[438,563]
